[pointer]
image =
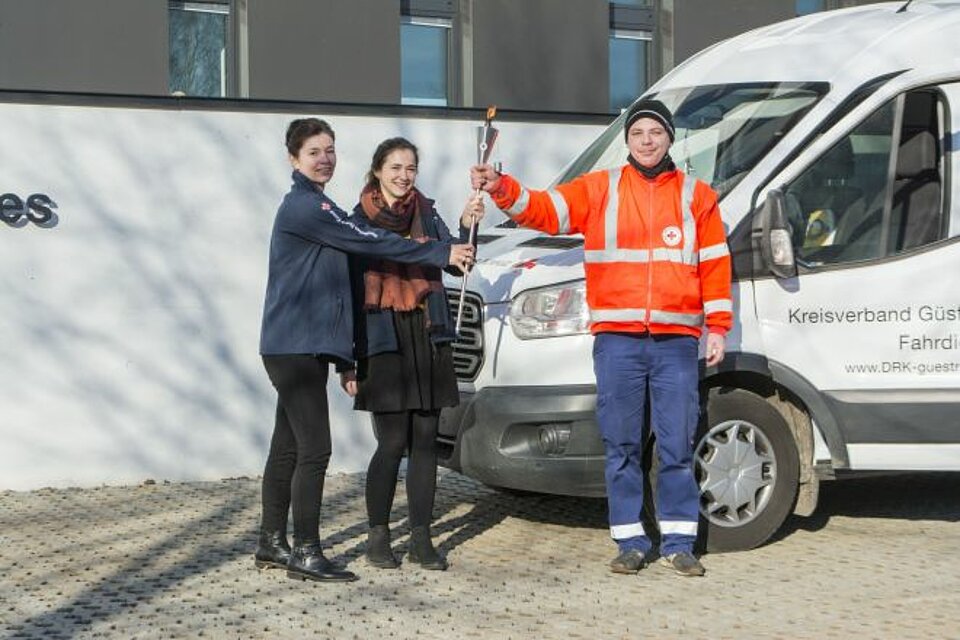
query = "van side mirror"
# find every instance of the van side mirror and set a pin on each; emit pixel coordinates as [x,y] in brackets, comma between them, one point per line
[772,236]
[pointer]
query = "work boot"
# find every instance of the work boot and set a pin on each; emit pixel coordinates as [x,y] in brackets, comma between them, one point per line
[273,550]
[422,552]
[307,562]
[378,552]
[629,561]
[683,563]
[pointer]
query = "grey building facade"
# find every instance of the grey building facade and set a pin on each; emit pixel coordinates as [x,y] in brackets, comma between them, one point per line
[586,56]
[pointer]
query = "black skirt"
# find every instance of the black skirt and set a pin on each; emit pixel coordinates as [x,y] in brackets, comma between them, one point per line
[420,376]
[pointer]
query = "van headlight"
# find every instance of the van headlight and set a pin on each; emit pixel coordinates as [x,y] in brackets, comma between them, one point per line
[559,310]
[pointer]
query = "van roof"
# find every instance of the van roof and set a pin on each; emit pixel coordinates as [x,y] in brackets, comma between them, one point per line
[845,47]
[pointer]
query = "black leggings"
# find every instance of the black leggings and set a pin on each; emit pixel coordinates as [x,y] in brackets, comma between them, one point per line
[395,433]
[300,447]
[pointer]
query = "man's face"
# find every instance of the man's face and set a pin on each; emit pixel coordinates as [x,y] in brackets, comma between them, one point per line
[648,141]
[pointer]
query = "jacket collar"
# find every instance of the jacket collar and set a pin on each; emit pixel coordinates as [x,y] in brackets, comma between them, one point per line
[662,178]
[303,182]
[665,164]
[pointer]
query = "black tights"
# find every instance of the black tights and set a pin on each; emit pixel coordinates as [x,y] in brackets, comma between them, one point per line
[300,447]
[395,433]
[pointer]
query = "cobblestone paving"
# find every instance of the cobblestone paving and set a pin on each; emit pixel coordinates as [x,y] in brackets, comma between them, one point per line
[878,560]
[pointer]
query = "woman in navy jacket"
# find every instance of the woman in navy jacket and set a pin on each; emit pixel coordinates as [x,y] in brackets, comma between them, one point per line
[405,372]
[307,324]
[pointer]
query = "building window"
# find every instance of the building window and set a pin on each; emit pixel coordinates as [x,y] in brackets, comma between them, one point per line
[629,65]
[809,6]
[199,36]
[425,45]
[632,25]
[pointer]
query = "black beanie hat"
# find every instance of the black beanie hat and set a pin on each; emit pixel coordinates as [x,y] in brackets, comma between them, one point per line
[650,109]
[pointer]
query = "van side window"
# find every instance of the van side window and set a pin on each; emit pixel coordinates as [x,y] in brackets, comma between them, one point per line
[878,191]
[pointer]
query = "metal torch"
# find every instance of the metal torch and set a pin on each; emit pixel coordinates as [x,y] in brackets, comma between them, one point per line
[486,136]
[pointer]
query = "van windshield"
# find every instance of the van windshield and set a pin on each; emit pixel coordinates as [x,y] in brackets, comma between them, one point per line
[722,131]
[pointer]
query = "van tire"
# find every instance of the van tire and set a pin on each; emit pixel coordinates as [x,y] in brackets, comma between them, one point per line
[772,453]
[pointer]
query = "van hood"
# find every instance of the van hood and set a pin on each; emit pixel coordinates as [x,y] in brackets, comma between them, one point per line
[510,261]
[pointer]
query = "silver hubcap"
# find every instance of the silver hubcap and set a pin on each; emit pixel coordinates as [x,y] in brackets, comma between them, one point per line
[736,470]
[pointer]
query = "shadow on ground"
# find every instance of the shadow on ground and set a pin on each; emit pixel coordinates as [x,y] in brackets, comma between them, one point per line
[906,496]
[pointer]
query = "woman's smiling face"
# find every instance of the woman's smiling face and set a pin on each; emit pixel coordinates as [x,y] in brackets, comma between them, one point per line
[397,174]
[316,159]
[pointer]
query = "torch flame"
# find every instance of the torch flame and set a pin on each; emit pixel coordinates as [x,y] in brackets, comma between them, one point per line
[491,112]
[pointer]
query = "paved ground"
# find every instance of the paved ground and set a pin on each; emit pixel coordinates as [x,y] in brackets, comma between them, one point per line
[879,560]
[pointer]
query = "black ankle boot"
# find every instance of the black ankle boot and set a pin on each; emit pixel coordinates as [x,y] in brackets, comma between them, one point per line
[307,562]
[378,548]
[422,551]
[273,550]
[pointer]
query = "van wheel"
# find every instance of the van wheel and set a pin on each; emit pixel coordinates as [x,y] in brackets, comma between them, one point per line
[747,467]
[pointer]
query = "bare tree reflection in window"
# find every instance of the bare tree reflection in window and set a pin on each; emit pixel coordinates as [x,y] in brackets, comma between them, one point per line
[198,40]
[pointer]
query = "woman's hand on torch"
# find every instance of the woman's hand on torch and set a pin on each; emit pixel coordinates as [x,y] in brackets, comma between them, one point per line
[473,211]
[461,256]
[484,177]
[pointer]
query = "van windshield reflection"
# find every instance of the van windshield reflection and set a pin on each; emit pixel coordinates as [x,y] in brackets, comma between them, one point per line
[722,131]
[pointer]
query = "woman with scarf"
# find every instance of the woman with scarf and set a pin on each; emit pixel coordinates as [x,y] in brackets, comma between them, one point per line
[405,371]
[307,325]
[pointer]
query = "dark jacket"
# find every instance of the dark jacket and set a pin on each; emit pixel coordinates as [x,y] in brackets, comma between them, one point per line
[376,333]
[307,308]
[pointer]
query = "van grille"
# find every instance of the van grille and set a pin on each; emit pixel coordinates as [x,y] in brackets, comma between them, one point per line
[468,348]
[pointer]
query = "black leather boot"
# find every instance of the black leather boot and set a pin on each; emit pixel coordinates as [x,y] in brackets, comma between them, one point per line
[378,553]
[307,562]
[273,550]
[422,551]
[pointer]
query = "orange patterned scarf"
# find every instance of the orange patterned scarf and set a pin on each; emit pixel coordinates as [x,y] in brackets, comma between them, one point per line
[394,285]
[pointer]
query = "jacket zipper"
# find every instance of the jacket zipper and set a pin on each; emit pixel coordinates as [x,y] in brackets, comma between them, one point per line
[647,311]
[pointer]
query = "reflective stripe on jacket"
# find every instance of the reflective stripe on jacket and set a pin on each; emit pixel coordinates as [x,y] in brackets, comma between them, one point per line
[655,252]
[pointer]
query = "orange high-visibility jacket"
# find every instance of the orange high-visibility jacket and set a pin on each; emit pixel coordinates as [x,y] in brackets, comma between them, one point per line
[654,251]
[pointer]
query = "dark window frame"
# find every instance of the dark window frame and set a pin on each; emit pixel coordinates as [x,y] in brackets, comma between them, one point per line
[231,58]
[632,18]
[440,10]
[641,21]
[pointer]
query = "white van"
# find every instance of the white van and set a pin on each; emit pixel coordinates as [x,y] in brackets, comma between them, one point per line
[832,140]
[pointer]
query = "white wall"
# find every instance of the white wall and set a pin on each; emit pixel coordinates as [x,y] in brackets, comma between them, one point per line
[129,330]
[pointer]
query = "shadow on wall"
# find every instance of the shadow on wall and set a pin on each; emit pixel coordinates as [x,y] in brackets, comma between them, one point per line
[132,327]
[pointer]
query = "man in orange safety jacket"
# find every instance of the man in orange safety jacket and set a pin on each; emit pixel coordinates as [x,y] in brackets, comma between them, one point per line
[657,271]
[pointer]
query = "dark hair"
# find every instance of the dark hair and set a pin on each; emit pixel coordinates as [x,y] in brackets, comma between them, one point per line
[384,149]
[301,129]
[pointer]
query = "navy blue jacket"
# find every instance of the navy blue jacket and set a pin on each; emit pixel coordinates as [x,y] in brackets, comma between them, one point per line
[308,307]
[376,333]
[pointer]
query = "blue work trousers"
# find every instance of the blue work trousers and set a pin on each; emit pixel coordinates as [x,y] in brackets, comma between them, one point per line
[631,368]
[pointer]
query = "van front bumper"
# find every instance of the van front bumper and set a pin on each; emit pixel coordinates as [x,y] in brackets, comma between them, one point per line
[541,439]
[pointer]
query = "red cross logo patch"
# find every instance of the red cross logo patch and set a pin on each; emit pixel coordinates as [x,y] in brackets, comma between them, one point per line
[672,236]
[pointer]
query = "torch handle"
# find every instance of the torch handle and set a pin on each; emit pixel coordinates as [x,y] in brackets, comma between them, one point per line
[463,280]
[483,154]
